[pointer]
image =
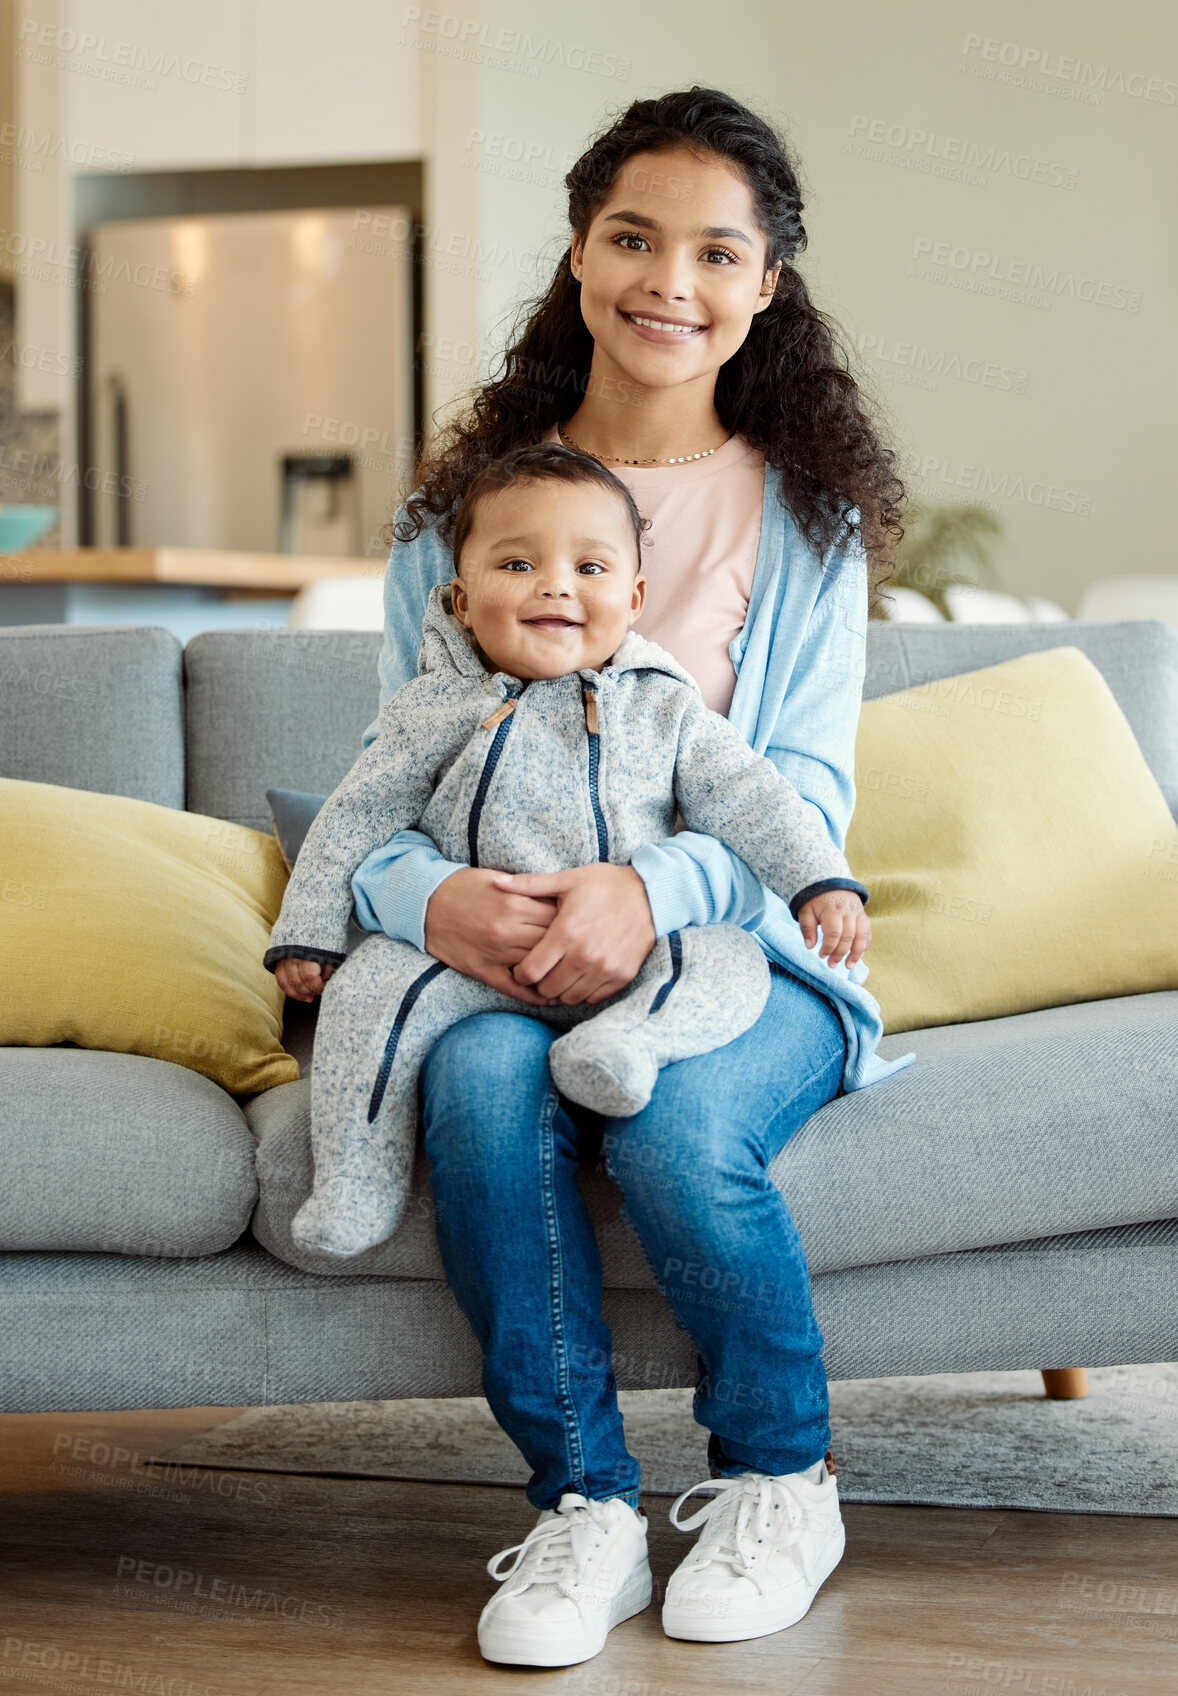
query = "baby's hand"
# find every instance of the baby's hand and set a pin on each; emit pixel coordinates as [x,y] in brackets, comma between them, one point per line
[303,980]
[844,925]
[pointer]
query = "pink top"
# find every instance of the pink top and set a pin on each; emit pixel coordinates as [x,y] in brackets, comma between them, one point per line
[699,556]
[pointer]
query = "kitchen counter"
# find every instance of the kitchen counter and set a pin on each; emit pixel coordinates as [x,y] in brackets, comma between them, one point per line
[185,590]
[210,567]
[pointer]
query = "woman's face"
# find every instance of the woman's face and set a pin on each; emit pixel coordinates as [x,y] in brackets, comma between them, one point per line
[672,269]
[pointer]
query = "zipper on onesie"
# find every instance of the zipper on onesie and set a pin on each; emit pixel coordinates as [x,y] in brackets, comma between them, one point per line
[390,1048]
[589,693]
[500,721]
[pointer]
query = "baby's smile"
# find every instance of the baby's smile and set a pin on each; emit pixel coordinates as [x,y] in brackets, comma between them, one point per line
[548,581]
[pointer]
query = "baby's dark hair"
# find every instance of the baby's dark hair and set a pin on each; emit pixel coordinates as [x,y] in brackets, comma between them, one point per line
[532,463]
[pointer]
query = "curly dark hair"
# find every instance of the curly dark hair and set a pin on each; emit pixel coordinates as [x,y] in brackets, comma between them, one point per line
[532,463]
[788,389]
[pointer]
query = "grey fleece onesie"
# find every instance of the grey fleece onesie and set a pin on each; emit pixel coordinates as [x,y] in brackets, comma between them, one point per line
[540,776]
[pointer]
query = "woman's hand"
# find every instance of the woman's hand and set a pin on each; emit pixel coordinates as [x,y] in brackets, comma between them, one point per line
[600,936]
[844,926]
[474,925]
[302,980]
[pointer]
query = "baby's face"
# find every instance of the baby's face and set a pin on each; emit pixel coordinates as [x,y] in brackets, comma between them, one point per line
[549,578]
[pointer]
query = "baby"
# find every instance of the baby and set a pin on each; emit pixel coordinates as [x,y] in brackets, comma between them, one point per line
[540,734]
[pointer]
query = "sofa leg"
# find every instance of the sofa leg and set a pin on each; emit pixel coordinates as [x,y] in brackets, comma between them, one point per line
[1065,1383]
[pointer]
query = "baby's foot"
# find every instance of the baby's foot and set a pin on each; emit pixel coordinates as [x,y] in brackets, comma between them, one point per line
[610,1071]
[342,1219]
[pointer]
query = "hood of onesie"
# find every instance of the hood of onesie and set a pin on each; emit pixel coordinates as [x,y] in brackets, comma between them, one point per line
[446,645]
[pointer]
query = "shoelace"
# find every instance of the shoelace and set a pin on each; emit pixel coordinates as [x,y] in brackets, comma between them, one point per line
[740,1508]
[554,1550]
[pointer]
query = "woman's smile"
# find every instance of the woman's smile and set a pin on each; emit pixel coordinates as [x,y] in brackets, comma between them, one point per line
[653,327]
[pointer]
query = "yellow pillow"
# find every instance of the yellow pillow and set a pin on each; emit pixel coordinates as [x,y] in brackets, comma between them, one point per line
[138,928]
[1017,847]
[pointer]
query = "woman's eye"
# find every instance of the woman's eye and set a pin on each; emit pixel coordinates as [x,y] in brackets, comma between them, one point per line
[626,237]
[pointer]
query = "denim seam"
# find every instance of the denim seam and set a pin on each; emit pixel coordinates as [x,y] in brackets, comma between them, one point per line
[654,1272]
[556,1294]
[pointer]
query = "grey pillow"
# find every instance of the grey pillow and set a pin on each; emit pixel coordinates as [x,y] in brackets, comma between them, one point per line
[293,813]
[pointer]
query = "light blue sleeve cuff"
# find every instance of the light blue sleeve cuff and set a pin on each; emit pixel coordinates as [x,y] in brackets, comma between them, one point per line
[691,879]
[392,888]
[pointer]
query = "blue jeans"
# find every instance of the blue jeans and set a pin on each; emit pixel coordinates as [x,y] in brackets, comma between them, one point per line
[522,1260]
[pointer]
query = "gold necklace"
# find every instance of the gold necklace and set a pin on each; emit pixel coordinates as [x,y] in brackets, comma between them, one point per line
[613,459]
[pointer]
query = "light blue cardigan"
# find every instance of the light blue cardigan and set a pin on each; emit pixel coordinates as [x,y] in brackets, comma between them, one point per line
[799,661]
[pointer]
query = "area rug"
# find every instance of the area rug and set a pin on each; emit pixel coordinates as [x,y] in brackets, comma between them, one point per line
[978,1439]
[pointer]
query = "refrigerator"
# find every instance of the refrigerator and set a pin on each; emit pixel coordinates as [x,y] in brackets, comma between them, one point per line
[251,379]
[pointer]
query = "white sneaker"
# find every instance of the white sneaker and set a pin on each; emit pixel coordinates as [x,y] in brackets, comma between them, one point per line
[580,1571]
[767,1545]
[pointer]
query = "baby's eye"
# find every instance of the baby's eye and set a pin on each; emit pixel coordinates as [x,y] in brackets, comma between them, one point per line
[593,565]
[511,564]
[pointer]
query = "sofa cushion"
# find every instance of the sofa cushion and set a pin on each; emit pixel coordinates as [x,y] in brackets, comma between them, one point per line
[141,929]
[1018,849]
[1049,1122]
[119,1153]
[1138,659]
[93,709]
[275,707]
[1038,1124]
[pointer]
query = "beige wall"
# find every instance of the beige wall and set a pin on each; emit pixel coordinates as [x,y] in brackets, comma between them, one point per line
[1034,368]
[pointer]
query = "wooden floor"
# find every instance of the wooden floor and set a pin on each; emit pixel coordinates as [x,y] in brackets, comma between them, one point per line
[119,1576]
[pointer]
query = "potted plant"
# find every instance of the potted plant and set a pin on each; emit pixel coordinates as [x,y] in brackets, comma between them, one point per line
[946,544]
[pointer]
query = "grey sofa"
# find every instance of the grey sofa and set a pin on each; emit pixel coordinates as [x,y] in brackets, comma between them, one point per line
[1009,1201]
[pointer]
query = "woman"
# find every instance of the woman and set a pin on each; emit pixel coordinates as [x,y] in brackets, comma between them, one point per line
[678,345]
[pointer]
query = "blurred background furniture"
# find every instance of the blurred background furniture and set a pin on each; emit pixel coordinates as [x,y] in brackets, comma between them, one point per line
[1108,600]
[340,603]
[184,590]
[1131,597]
[188,450]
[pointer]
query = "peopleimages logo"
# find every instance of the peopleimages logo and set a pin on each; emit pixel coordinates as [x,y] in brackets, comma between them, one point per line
[1052,282]
[1042,63]
[923,367]
[983,480]
[480,42]
[125,56]
[955,150]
